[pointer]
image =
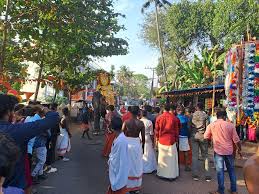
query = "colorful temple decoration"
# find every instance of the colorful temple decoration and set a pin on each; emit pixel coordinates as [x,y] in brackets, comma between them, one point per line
[243,57]
[104,86]
[231,78]
[256,82]
[250,80]
[231,72]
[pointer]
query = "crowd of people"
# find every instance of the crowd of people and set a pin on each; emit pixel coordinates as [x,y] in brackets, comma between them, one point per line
[32,138]
[133,137]
[36,138]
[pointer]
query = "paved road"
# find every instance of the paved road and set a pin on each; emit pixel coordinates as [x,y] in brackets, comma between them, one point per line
[86,173]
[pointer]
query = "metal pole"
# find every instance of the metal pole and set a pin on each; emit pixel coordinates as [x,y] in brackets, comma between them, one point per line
[152,80]
[214,85]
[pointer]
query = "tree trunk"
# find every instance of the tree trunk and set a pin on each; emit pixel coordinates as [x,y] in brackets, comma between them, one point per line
[70,99]
[55,96]
[38,82]
[161,48]
[2,55]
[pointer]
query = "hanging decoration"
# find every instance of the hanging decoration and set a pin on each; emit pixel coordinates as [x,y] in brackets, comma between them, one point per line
[246,58]
[255,49]
[15,93]
[28,95]
[250,93]
[4,85]
[231,72]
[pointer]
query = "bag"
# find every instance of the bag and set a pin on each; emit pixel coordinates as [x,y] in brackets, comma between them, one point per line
[199,136]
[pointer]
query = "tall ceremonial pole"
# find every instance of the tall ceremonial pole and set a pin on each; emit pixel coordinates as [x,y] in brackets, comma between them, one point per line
[214,83]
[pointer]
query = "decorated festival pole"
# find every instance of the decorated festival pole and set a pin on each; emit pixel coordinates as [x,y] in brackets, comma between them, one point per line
[240,80]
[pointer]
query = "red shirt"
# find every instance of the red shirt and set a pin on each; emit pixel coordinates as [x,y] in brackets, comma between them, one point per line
[126,116]
[167,128]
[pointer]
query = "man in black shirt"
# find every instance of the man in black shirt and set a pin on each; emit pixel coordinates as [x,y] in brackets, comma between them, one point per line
[51,143]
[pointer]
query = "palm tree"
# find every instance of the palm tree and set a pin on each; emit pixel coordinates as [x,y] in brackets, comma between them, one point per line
[158,4]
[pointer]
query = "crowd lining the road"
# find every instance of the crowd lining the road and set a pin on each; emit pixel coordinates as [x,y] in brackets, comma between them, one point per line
[38,136]
[33,136]
[172,130]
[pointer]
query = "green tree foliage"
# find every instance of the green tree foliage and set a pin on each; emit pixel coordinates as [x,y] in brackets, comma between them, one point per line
[159,4]
[189,27]
[203,23]
[149,29]
[112,72]
[199,71]
[232,17]
[124,76]
[76,79]
[59,100]
[132,85]
[79,28]
[141,87]
[61,36]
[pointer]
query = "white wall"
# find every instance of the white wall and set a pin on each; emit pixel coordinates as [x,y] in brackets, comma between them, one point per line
[30,86]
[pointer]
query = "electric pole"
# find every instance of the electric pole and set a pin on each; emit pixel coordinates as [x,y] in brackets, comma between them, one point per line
[153,77]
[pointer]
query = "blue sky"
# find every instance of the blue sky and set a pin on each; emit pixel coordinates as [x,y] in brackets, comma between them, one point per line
[140,54]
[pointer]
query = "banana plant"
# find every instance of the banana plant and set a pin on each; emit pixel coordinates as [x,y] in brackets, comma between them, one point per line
[201,69]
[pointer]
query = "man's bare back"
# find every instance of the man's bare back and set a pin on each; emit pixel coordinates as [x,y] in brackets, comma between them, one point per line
[252,178]
[133,127]
[251,169]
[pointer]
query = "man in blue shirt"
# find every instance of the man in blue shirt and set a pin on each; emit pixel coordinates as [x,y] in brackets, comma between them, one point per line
[21,134]
[184,135]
